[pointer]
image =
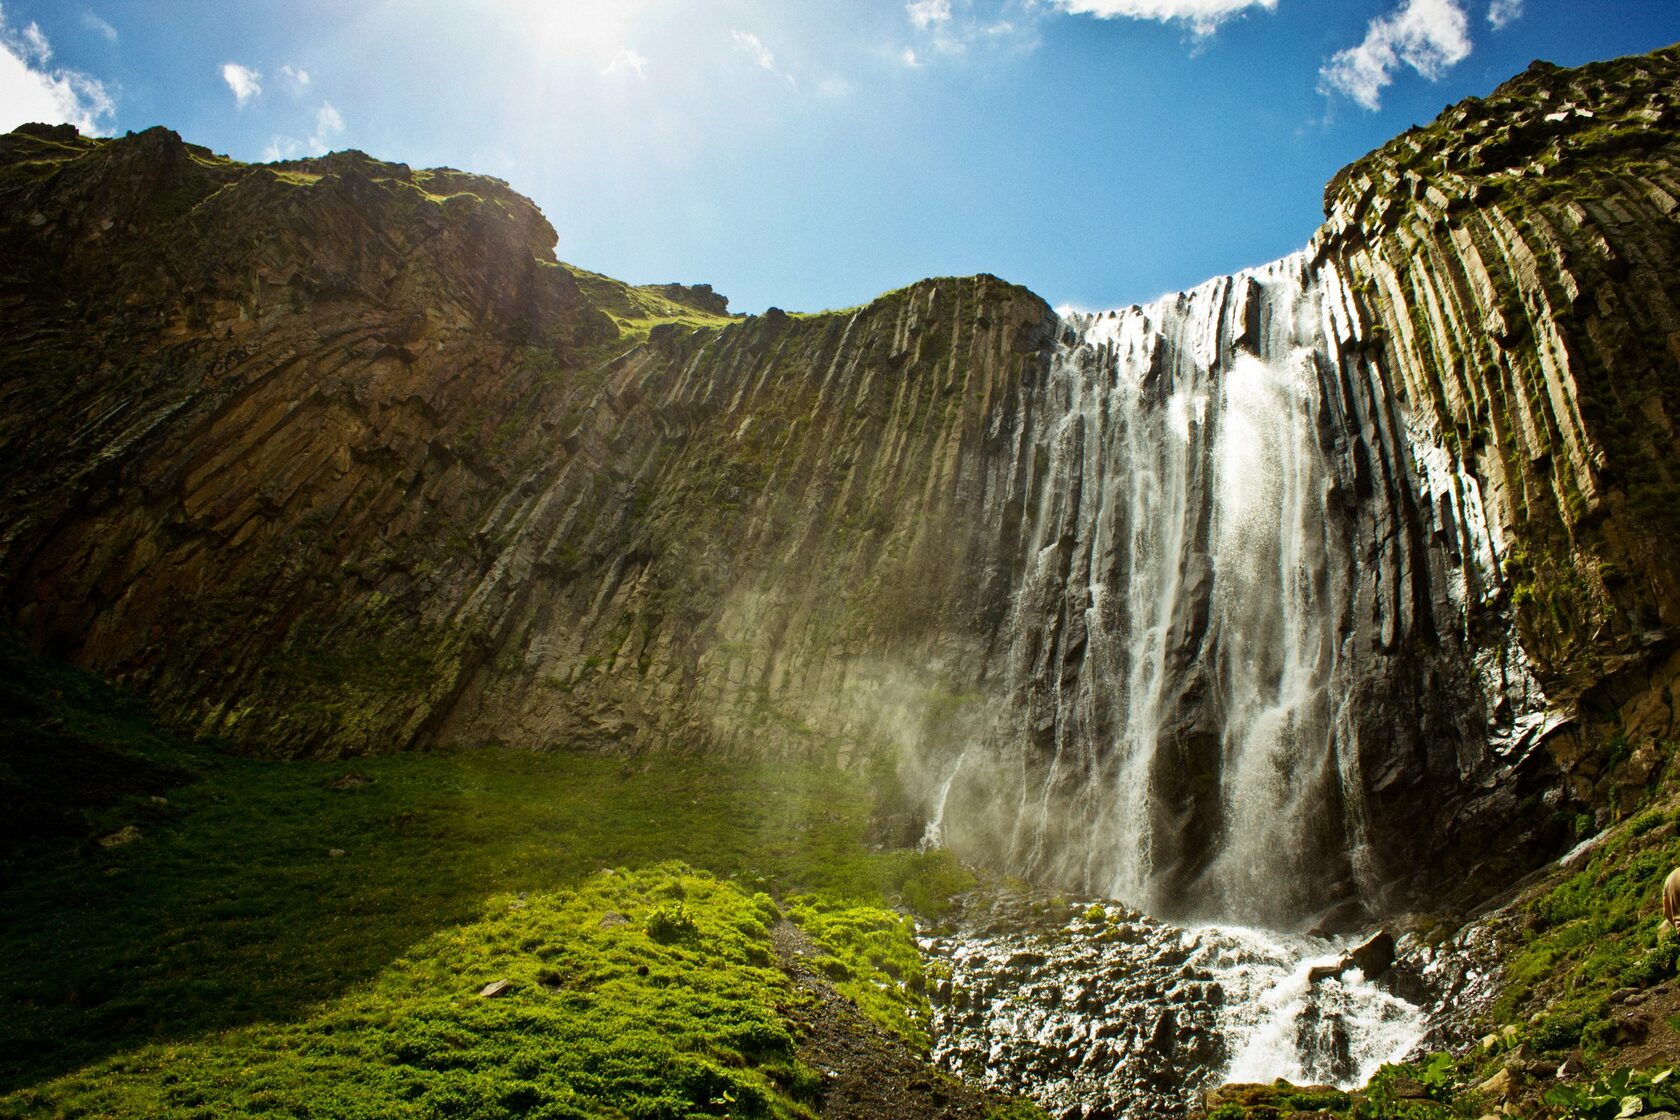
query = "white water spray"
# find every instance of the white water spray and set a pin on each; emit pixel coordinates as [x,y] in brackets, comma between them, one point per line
[1169,737]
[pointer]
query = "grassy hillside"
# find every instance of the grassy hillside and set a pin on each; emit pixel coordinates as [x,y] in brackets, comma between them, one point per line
[196,933]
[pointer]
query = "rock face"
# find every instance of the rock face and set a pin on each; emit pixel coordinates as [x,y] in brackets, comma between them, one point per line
[1514,265]
[333,456]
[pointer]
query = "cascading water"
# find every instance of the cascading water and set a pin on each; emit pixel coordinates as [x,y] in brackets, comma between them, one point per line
[1192,652]
[1098,1011]
[1176,633]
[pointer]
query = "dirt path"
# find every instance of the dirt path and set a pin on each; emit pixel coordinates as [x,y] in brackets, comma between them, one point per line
[868,1073]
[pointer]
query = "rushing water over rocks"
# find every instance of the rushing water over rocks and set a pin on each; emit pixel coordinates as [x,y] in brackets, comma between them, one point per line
[1219,639]
[1096,1010]
[1214,648]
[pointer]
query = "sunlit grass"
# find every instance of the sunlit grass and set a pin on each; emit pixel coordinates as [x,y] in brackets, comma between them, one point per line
[307,939]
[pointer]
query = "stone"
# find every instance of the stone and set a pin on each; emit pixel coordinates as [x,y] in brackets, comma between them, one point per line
[1501,1086]
[128,834]
[1628,1028]
[1374,956]
[1409,1089]
[336,853]
[495,989]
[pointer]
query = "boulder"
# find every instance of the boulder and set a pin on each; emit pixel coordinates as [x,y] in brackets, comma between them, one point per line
[1502,1085]
[117,839]
[1372,957]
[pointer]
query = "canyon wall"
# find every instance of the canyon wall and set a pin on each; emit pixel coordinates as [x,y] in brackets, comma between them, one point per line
[333,456]
[1515,268]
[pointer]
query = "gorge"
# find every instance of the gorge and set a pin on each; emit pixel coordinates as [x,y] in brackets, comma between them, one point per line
[1299,602]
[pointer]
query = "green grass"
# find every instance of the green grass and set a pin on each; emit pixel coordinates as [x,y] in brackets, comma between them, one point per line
[1597,930]
[637,309]
[602,1018]
[226,962]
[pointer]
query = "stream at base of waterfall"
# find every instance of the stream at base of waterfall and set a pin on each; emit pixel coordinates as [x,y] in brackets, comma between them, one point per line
[1096,1011]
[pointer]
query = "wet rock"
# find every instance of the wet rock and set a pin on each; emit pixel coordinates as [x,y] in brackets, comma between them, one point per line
[1372,958]
[1151,1020]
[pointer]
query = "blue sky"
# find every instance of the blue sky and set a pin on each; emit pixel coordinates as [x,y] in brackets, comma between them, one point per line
[813,153]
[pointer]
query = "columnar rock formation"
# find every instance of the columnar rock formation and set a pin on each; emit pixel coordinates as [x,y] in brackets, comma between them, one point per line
[334,456]
[1514,269]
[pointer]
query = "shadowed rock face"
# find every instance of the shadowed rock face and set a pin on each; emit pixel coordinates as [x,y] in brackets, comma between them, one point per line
[332,456]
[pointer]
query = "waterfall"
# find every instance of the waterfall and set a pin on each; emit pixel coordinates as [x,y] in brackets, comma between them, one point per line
[1171,734]
[1245,573]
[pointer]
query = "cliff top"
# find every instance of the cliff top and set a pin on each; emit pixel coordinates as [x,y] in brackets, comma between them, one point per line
[1538,127]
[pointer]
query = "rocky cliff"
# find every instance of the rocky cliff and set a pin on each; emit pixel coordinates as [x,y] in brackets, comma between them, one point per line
[1515,265]
[333,456]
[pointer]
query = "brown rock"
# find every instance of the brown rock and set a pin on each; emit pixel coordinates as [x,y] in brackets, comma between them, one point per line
[1502,1085]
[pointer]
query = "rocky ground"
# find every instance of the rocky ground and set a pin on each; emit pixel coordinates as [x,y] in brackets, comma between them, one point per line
[869,1073]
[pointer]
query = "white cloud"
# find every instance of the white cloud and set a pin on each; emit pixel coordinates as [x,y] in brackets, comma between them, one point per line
[31,92]
[1503,12]
[1430,36]
[991,29]
[753,47]
[296,79]
[1203,16]
[281,147]
[926,13]
[328,125]
[627,61]
[245,82]
[99,26]
[35,45]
